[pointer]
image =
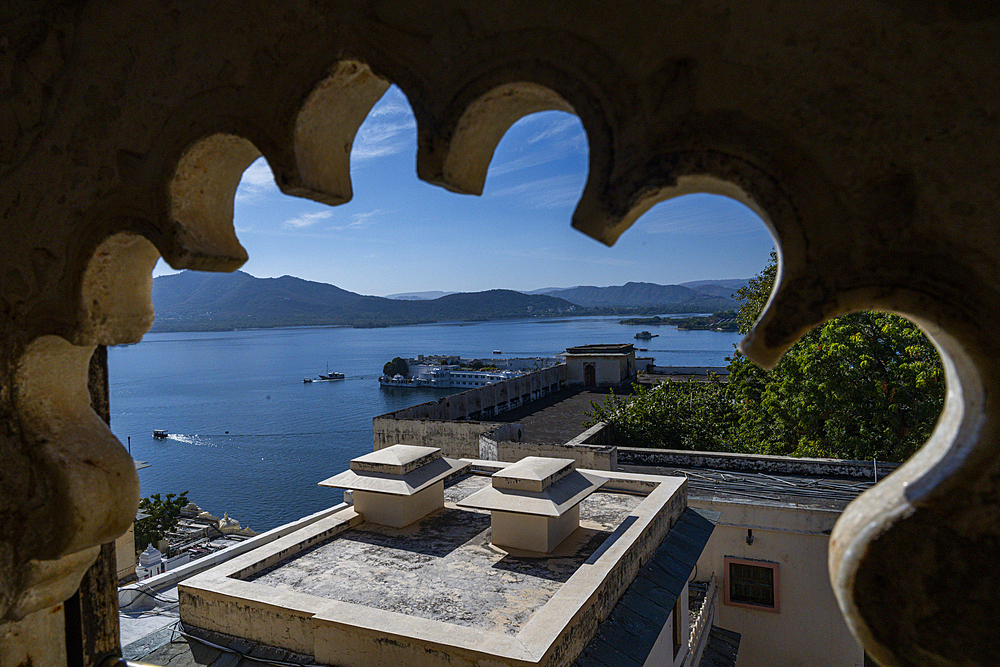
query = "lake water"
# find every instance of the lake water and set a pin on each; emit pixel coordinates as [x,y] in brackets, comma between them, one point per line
[249,437]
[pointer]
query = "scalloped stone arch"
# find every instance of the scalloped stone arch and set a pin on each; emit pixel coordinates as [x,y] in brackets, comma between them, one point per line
[91,484]
[873,122]
[324,132]
[116,297]
[481,127]
[200,193]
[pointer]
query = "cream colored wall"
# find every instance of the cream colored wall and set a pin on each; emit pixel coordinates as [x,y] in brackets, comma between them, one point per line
[809,629]
[608,370]
[125,552]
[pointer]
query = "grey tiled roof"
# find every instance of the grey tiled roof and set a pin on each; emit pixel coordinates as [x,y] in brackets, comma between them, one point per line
[627,636]
[721,649]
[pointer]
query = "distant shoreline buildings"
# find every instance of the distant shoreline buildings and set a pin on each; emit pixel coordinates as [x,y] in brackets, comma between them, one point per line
[454,372]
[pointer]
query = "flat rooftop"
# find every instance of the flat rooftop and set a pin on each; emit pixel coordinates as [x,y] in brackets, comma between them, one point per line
[444,568]
[344,591]
[556,418]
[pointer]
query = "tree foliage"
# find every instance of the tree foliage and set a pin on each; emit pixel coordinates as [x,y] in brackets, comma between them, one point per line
[397,366]
[862,386]
[164,513]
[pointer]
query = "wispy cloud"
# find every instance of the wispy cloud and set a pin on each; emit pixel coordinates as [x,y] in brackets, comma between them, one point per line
[307,219]
[564,128]
[257,181]
[361,220]
[689,216]
[388,130]
[554,192]
[541,139]
[380,138]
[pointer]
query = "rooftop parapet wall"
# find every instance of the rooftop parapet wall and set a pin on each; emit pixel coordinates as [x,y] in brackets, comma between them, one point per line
[456,439]
[785,465]
[689,370]
[603,434]
[504,444]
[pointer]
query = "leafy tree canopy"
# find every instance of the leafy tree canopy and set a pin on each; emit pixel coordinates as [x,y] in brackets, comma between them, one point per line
[397,366]
[164,513]
[862,386]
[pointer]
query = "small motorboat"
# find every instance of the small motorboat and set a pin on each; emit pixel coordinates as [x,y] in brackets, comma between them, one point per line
[159,433]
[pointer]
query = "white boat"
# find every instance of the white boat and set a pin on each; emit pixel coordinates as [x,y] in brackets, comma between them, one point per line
[325,377]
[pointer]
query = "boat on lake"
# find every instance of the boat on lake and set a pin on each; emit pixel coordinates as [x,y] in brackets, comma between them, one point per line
[645,335]
[159,433]
[325,377]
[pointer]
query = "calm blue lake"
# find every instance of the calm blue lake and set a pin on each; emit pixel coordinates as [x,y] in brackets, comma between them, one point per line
[249,437]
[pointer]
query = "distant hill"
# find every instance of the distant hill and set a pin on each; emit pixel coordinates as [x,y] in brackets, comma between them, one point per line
[196,301]
[699,295]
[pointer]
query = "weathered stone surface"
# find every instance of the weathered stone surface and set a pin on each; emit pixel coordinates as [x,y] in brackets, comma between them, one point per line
[864,133]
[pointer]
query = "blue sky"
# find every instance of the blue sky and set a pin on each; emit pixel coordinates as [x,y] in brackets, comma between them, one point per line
[400,234]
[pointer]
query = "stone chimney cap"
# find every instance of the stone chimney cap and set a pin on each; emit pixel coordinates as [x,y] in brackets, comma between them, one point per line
[553,501]
[533,473]
[400,470]
[396,460]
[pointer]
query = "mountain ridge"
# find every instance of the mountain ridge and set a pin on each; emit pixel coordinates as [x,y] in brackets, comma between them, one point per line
[215,301]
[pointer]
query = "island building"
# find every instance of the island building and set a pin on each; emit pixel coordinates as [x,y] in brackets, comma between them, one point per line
[862,133]
[453,371]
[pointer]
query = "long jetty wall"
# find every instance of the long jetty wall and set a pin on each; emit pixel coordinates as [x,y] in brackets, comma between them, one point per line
[455,423]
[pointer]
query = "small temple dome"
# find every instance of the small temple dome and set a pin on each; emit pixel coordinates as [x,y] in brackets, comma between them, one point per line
[190,510]
[228,525]
[150,557]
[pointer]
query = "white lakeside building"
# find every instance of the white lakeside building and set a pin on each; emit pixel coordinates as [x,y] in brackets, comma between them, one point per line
[446,372]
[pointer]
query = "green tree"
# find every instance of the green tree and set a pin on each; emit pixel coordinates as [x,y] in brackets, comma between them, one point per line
[865,385]
[397,366]
[164,513]
[672,415]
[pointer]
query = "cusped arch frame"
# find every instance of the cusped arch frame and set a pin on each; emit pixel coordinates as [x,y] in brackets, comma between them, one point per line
[819,279]
[89,478]
[893,550]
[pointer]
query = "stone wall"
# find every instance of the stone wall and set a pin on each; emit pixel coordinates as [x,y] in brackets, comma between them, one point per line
[457,439]
[591,457]
[786,465]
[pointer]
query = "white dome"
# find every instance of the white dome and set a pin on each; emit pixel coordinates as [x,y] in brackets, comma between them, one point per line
[151,556]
